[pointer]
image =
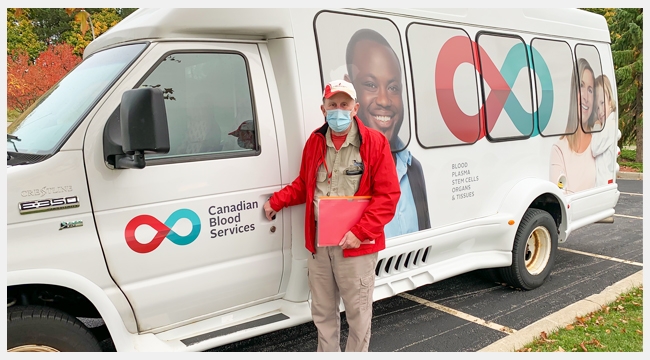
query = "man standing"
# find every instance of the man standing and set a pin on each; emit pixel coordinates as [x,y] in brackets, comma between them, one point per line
[343,158]
[374,70]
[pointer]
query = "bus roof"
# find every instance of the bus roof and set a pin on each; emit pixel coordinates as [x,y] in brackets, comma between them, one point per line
[261,24]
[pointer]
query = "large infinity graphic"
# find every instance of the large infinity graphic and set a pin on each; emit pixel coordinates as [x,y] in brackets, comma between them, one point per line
[163,230]
[466,127]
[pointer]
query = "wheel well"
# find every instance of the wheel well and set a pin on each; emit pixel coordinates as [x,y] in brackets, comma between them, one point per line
[53,296]
[550,204]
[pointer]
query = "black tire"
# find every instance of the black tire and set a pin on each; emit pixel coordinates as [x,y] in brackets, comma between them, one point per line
[533,251]
[40,328]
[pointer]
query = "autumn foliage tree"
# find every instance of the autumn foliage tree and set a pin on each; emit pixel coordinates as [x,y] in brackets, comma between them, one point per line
[33,29]
[27,80]
[43,44]
[89,24]
[21,34]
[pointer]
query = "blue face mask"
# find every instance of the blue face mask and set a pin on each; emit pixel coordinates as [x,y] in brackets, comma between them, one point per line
[338,119]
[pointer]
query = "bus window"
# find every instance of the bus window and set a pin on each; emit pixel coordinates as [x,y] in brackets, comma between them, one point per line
[553,68]
[444,84]
[589,71]
[507,89]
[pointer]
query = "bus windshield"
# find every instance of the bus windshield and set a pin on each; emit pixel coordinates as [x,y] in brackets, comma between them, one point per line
[47,124]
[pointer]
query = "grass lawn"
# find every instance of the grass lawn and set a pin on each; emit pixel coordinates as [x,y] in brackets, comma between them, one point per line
[617,327]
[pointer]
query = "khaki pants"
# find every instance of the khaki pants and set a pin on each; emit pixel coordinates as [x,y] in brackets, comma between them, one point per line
[332,277]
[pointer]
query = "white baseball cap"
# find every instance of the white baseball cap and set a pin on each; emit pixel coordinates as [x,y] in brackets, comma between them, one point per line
[338,86]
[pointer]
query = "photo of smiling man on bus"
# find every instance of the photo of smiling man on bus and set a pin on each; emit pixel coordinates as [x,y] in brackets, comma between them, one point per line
[374,69]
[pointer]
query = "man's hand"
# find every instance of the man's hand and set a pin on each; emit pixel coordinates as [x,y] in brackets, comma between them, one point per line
[350,241]
[268,211]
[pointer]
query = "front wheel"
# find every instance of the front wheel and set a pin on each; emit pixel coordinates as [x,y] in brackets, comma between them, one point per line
[44,329]
[533,252]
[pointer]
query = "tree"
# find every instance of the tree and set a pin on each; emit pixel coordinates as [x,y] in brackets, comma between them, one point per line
[101,20]
[627,51]
[33,29]
[21,34]
[49,24]
[27,80]
[37,54]
[626,35]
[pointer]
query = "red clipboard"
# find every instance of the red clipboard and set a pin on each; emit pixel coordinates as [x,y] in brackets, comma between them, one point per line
[337,215]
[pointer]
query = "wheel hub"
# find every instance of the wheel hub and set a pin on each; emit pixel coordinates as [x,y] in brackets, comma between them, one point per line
[33,348]
[538,250]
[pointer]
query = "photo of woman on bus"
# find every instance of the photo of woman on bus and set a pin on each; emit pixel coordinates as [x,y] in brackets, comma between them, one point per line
[603,143]
[571,155]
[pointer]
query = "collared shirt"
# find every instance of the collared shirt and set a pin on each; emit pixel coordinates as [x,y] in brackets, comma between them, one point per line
[406,218]
[339,184]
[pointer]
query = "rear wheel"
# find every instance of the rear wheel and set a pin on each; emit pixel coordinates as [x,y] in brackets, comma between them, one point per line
[44,329]
[533,252]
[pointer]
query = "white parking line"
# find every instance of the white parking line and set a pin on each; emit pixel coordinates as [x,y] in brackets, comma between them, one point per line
[629,216]
[602,257]
[635,194]
[462,315]
[495,326]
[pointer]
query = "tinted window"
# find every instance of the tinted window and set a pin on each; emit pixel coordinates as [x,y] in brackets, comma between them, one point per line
[208,103]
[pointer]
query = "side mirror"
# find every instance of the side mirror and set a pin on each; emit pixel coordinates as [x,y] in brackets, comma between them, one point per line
[140,128]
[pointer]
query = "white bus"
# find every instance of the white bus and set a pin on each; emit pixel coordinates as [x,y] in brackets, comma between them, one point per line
[135,185]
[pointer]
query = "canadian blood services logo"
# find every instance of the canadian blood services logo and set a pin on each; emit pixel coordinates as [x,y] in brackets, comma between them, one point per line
[164,230]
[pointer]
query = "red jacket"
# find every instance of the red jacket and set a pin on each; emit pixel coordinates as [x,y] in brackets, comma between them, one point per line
[379,180]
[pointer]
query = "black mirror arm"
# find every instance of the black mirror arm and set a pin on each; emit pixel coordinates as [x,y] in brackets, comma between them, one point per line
[135,161]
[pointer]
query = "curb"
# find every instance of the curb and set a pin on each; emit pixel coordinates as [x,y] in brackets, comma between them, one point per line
[629,175]
[565,316]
